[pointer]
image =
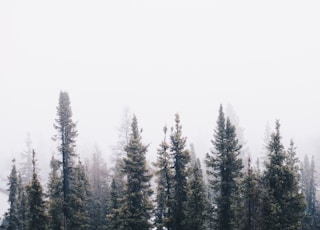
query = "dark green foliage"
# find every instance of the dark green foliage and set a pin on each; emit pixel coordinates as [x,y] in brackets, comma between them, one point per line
[36,218]
[113,218]
[164,199]
[78,199]
[81,198]
[66,134]
[181,160]
[197,204]
[224,169]
[284,204]
[13,216]
[55,195]
[249,208]
[136,205]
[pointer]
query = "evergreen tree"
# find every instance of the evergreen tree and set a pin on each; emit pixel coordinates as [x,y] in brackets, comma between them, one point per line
[164,198]
[284,204]
[66,134]
[13,217]
[113,213]
[37,218]
[136,205]
[78,199]
[55,195]
[197,200]
[249,212]
[181,160]
[224,169]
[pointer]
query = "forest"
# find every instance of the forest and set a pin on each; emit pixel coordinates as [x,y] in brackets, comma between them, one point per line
[179,191]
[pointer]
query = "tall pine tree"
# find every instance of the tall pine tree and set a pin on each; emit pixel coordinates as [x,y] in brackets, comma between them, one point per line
[224,169]
[283,203]
[164,198]
[136,205]
[181,162]
[66,134]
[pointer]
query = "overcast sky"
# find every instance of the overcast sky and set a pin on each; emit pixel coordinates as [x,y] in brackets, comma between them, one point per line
[158,58]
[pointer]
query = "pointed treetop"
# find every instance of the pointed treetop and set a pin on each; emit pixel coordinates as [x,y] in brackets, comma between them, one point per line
[134,128]
[221,118]
[275,146]
[278,126]
[33,161]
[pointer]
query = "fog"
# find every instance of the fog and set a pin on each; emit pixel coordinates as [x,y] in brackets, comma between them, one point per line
[158,58]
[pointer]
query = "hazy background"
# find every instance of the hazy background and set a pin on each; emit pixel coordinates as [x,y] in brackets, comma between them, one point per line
[157,58]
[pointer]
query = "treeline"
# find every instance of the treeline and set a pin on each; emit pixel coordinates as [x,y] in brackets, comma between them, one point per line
[172,194]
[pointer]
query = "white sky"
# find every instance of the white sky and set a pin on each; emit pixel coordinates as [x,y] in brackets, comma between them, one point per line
[158,58]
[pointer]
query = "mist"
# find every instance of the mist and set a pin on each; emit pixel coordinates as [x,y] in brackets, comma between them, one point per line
[156,59]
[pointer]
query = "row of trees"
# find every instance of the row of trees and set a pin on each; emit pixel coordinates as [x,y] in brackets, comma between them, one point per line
[89,196]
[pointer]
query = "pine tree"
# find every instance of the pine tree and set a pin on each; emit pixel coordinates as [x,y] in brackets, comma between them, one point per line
[13,217]
[37,218]
[181,161]
[136,205]
[197,200]
[283,202]
[114,221]
[66,135]
[224,169]
[249,212]
[78,199]
[164,198]
[55,195]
